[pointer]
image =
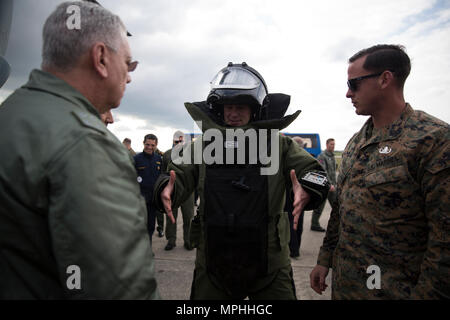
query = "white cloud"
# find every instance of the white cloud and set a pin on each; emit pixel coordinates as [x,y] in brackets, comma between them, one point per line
[135,128]
[4,93]
[300,47]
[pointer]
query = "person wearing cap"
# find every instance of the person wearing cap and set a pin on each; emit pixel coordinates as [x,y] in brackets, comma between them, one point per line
[187,207]
[71,215]
[241,231]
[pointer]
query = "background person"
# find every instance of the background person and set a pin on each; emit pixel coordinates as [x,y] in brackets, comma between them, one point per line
[148,168]
[328,162]
[127,143]
[187,207]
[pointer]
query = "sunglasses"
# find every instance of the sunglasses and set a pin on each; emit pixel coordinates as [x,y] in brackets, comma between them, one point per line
[177,142]
[353,83]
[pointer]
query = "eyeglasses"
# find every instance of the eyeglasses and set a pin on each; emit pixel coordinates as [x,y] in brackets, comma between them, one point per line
[353,83]
[177,141]
[131,64]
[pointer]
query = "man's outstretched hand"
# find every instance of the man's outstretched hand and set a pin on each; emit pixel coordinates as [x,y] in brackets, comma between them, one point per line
[166,196]
[301,198]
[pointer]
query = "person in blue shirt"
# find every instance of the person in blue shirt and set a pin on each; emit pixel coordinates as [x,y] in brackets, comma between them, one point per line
[148,168]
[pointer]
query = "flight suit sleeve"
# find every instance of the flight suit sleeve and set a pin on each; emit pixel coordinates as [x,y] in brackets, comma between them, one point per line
[300,160]
[97,221]
[434,280]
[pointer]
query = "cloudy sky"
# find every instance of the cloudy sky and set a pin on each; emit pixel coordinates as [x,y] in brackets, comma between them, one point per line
[301,48]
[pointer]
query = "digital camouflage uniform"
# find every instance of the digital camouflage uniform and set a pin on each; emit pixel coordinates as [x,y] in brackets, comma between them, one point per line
[394,199]
[328,162]
[277,281]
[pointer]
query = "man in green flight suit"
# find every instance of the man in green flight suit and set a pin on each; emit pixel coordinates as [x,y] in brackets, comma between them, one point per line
[241,232]
[72,220]
[326,159]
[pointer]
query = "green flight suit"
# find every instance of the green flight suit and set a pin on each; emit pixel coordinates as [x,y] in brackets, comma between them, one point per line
[278,282]
[72,219]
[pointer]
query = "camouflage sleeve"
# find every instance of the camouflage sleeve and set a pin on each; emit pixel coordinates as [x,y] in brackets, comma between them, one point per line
[331,238]
[434,280]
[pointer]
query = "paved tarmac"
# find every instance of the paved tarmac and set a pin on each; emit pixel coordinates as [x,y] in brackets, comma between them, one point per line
[174,268]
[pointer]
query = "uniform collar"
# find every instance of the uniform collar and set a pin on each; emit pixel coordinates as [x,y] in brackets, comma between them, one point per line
[44,81]
[390,132]
[328,153]
[148,155]
[196,110]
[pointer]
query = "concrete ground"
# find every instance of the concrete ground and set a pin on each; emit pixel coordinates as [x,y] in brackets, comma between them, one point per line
[174,268]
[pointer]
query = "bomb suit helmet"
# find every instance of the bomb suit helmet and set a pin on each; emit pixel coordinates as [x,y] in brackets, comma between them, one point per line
[238,84]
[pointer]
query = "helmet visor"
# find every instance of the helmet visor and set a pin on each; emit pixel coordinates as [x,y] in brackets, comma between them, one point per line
[235,78]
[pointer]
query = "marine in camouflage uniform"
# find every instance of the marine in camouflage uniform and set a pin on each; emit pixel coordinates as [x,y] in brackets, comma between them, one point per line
[394,204]
[394,211]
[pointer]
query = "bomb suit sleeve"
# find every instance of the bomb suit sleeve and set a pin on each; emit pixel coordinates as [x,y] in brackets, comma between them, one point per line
[309,172]
[187,173]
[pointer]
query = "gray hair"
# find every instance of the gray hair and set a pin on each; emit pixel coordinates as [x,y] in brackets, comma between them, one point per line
[63,46]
